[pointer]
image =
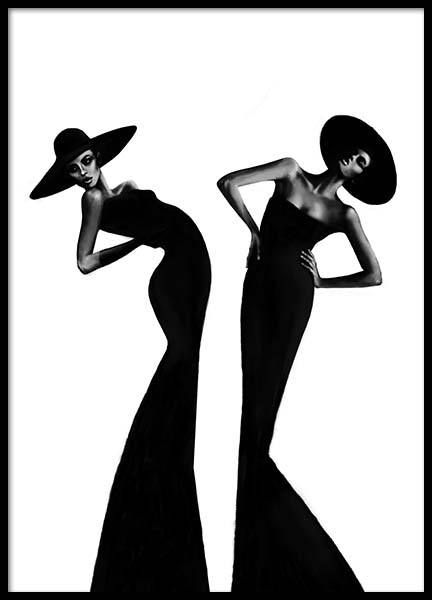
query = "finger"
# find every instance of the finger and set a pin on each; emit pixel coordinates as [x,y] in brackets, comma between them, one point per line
[310,259]
[309,268]
[308,262]
[309,255]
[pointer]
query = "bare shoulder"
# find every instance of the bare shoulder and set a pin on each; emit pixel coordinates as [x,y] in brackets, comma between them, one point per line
[131,185]
[347,217]
[91,199]
[291,166]
[125,186]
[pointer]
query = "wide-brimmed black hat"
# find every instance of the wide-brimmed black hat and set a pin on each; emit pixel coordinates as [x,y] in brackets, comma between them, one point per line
[342,134]
[72,142]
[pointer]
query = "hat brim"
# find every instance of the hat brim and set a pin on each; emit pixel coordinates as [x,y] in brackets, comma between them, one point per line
[108,145]
[342,134]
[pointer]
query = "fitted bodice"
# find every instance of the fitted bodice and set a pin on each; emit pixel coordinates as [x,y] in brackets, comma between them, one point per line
[139,213]
[284,226]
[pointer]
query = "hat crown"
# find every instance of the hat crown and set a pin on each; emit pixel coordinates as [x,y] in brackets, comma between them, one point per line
[69,145]
[69,140]
[341,133]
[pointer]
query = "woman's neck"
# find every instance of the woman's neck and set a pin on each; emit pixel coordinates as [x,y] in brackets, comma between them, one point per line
[327,183]
[103,186]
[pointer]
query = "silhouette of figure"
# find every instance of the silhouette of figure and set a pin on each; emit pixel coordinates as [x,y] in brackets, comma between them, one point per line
[279,544]
[151,538]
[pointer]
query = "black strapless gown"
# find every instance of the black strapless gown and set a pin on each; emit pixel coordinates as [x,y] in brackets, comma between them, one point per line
[279,544]
[151,537]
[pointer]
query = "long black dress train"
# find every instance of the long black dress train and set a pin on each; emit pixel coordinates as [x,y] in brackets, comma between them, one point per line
[279,544]
[151,537]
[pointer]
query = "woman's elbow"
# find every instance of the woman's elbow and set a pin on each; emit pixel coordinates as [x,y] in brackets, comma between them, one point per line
[84,266]
[377,275]
[374,278]
[223,183]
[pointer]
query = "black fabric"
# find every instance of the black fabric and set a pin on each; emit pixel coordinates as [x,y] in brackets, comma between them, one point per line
[279,544]
[151,538]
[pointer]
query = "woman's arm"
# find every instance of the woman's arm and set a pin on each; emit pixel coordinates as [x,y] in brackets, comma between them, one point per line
[371,273]
[229,184]
[88,261]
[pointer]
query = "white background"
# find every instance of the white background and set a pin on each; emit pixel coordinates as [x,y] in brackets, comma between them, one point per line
[213,91]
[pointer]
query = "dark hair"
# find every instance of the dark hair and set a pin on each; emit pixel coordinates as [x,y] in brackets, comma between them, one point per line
[97,155]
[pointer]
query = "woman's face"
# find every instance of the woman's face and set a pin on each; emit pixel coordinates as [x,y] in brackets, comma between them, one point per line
[353,164]
[84,170]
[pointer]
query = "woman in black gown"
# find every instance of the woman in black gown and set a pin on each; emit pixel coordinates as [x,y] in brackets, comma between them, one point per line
[151,538]
[279,544]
